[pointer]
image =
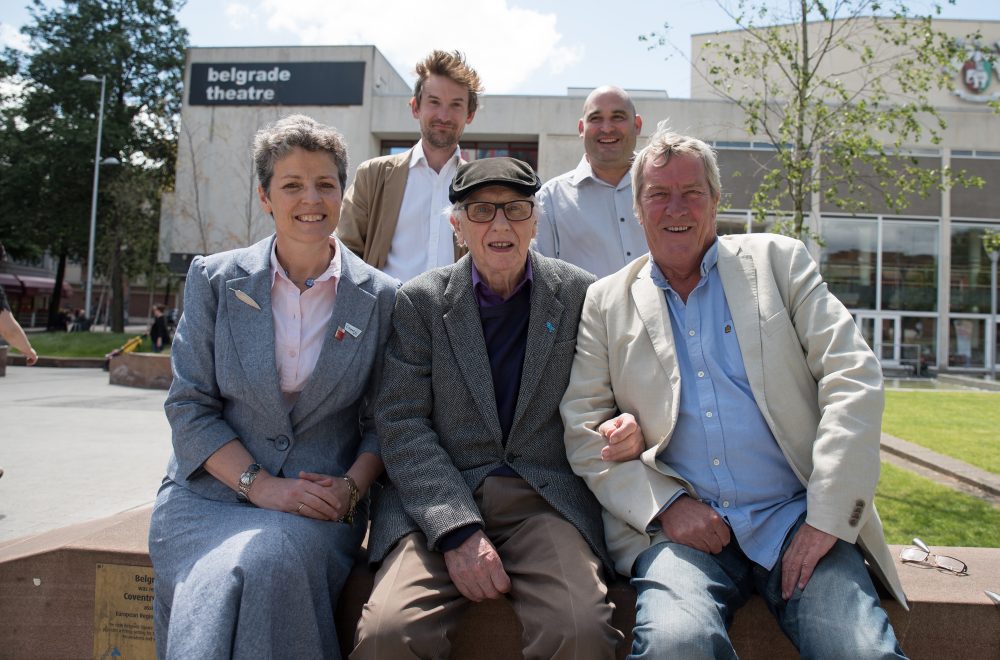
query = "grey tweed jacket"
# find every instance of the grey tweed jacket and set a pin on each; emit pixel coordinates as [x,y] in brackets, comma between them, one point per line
[437,417]
[226,379]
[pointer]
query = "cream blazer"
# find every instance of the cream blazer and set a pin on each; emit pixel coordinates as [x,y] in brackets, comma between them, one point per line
[816,382]
[370,211]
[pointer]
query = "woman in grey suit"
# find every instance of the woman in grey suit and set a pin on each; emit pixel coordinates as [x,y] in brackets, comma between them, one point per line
[275,362]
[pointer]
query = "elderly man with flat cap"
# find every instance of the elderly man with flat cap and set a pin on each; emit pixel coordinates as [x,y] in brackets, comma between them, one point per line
[482,501]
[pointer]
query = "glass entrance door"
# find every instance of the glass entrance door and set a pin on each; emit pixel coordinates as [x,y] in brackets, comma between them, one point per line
[883,336]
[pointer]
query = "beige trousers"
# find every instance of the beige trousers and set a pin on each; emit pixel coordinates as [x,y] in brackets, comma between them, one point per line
[557,589]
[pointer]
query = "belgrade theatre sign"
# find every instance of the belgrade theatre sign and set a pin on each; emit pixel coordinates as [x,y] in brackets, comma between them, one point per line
[276,83]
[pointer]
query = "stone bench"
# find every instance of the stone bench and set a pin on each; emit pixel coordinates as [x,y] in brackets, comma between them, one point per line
[47,587]
[146,370]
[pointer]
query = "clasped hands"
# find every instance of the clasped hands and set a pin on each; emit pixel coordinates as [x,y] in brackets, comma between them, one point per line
[312,495]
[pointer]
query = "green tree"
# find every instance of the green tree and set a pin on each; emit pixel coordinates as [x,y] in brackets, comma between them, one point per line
[840,130]
[50,124]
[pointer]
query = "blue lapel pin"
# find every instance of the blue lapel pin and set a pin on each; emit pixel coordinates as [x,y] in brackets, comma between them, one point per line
[548,326]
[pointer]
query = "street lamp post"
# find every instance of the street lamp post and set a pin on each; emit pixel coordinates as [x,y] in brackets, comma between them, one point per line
[93,197]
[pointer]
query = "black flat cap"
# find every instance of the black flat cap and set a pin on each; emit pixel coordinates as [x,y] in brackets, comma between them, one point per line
[504,171]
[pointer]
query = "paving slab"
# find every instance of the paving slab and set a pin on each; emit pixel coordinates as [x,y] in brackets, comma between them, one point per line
[74,448]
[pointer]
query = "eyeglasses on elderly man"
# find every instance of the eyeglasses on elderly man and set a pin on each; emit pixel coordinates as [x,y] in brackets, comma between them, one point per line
[515,210]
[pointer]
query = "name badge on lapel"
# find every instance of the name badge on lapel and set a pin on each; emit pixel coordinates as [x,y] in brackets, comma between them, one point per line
[346,329]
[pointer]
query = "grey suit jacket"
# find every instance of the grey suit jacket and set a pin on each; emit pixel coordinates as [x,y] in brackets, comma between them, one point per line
[226,380]
[437,415]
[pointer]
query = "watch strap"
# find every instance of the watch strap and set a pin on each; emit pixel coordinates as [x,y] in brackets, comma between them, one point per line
[246,482]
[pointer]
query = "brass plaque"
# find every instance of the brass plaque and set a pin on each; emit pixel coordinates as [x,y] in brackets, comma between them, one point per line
[123,613]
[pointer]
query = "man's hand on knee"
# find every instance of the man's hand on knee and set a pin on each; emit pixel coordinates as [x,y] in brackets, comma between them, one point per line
[476,569]
[695,524]
[808,546]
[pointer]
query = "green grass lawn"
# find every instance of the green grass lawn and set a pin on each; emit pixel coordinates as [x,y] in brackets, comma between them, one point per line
[963,425]
[81,344]
[910,505]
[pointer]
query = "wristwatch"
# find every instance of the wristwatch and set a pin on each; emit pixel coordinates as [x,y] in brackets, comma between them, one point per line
[246,481]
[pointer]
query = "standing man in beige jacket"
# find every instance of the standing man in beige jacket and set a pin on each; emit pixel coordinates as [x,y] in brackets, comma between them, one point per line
[394,215]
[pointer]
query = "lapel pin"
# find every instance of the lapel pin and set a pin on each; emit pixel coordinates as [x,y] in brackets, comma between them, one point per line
[351,330]
[729,328]
[245,298]
[339,335]
[548,326]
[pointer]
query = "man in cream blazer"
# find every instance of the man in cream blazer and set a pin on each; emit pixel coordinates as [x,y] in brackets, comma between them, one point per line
[761,407]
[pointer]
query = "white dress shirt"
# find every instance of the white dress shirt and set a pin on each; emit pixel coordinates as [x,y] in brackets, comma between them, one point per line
[589,222]
[423,238]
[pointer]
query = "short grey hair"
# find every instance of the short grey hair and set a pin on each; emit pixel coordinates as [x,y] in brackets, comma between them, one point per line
[277,140]
[665,143]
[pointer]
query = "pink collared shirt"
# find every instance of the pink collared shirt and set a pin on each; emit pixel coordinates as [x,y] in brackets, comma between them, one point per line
[301,319]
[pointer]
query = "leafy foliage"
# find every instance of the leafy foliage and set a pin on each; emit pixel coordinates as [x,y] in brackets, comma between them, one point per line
[841,89]
[49,121]
[991,241]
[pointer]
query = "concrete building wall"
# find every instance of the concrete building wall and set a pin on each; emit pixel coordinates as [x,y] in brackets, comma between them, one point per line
[844,65]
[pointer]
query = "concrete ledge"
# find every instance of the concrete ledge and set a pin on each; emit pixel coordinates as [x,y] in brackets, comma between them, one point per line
[148,370]
[949,617]
[47,584]
[952,467]
[63,362]
[970,381]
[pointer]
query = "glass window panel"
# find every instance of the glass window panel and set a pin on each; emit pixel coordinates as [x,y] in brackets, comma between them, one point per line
[967,343]
[888,351]
[849,260]
[970,269]
[725,225]
[527,154]
[919,341]
[909,265]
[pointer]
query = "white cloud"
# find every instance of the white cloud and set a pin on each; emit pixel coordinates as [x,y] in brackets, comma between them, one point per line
[241,16]
[10,37]
[505,44]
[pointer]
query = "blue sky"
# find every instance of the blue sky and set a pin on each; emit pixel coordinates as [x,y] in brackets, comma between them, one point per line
[518,46]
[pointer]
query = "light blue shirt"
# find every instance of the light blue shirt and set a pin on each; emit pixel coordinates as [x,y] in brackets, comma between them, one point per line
[722,444]
[589,222]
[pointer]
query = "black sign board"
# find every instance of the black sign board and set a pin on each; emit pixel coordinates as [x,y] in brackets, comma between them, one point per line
[277,83]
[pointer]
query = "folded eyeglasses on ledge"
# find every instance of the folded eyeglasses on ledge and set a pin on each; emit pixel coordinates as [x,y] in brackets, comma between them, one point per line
[922,556]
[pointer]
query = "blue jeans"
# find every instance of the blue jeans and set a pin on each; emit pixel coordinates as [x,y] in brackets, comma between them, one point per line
[686,600]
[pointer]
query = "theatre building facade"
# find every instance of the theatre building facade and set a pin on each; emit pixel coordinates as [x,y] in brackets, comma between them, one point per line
[917,283]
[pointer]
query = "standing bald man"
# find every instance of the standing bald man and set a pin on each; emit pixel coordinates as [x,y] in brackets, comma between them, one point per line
[587,217]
